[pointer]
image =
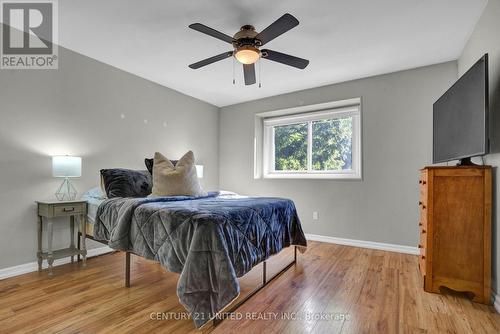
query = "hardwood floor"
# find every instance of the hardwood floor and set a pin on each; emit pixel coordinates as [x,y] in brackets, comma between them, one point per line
[356,290]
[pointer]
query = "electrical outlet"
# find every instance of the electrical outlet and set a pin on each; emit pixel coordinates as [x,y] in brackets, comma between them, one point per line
[315,215]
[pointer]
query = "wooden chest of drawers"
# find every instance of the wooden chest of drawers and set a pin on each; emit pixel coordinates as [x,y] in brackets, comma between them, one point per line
[455,229]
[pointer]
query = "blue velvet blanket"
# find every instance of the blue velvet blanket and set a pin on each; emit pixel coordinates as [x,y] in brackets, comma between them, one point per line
[209,241]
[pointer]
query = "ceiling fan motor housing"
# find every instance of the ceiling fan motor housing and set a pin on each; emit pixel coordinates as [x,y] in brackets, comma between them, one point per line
[246,37]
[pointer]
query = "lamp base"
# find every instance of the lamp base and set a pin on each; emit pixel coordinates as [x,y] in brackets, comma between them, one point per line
[66,191]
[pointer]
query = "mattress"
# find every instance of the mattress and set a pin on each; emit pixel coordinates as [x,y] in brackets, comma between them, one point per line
[94,198]
[92,205]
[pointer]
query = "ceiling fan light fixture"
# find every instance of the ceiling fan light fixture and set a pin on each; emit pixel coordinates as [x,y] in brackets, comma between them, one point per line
[247,54]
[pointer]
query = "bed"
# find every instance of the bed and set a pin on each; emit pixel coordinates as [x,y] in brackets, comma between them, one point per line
[210,241]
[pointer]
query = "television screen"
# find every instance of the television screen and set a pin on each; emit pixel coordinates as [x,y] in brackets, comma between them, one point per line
[460,117]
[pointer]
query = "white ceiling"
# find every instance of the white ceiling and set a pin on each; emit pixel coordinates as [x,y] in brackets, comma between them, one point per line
[343,40]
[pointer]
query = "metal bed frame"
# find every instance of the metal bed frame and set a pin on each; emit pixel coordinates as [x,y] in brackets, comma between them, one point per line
[218,318]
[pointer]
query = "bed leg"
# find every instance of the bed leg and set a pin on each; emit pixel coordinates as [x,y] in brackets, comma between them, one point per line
[295,254]
[127,269]
[78,236]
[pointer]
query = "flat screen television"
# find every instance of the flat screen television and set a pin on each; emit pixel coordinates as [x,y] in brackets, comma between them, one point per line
[460,118]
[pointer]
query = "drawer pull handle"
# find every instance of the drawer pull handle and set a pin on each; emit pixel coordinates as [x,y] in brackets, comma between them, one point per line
[424,231]
[420,224]
[68,210]
[420,246]
[423,182]
[419,203]
[419,181]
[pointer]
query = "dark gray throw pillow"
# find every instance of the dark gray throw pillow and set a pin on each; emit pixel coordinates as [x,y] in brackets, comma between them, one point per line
[150,162]
[120,182]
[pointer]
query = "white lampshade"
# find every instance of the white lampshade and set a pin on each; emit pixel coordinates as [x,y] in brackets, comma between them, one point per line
[199,171]
[66,166]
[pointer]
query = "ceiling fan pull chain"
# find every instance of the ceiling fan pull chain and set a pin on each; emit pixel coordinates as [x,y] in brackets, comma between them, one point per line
[260,73]
[234,80]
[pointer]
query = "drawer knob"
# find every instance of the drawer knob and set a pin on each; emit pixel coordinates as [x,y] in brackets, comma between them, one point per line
[423,257]
[423,182]
[419,202]
[419,181]
[424,231]
[420,246]
[420,224]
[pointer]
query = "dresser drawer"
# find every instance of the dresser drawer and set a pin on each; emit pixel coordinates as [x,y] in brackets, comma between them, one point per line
[424,175]
[423,193]
[423,186]
[422,220]
[423,238]
[422,223]
[422,182]
[421,264]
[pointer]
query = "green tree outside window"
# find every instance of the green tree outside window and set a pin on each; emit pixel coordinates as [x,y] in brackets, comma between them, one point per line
[331,145]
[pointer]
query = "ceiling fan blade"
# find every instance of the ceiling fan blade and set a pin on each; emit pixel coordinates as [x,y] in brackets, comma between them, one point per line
[249,72]
[211,32]
[211,60]
[285,59]
[278,27]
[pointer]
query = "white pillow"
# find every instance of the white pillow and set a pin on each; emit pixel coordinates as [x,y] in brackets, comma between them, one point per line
[95,192]
[178,180]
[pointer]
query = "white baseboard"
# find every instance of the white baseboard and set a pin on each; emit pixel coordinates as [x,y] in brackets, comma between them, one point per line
[364,244]
[33,266]
[496,301]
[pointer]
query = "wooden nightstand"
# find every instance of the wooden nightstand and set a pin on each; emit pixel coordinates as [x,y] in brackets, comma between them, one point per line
[55,209]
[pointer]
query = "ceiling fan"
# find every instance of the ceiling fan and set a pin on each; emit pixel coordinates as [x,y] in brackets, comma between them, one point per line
[247,43]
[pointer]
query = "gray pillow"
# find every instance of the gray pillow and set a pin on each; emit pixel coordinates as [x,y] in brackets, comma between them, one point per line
[120,182]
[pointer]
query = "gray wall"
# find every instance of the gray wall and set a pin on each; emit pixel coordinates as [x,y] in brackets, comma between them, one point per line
[397,141]
[483,40]
[77,110]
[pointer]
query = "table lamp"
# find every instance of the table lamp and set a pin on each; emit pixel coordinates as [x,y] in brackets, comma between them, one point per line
[199,171]
[66,166]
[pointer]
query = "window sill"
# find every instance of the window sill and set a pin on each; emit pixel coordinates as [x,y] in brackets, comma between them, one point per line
[329,176]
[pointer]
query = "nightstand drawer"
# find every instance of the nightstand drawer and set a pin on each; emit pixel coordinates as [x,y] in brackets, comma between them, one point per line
[69,209]
[62,209]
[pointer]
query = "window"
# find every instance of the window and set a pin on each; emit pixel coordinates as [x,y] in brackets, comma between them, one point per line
[319,144]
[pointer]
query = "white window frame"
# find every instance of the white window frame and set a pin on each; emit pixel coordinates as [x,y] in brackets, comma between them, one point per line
[309,117]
